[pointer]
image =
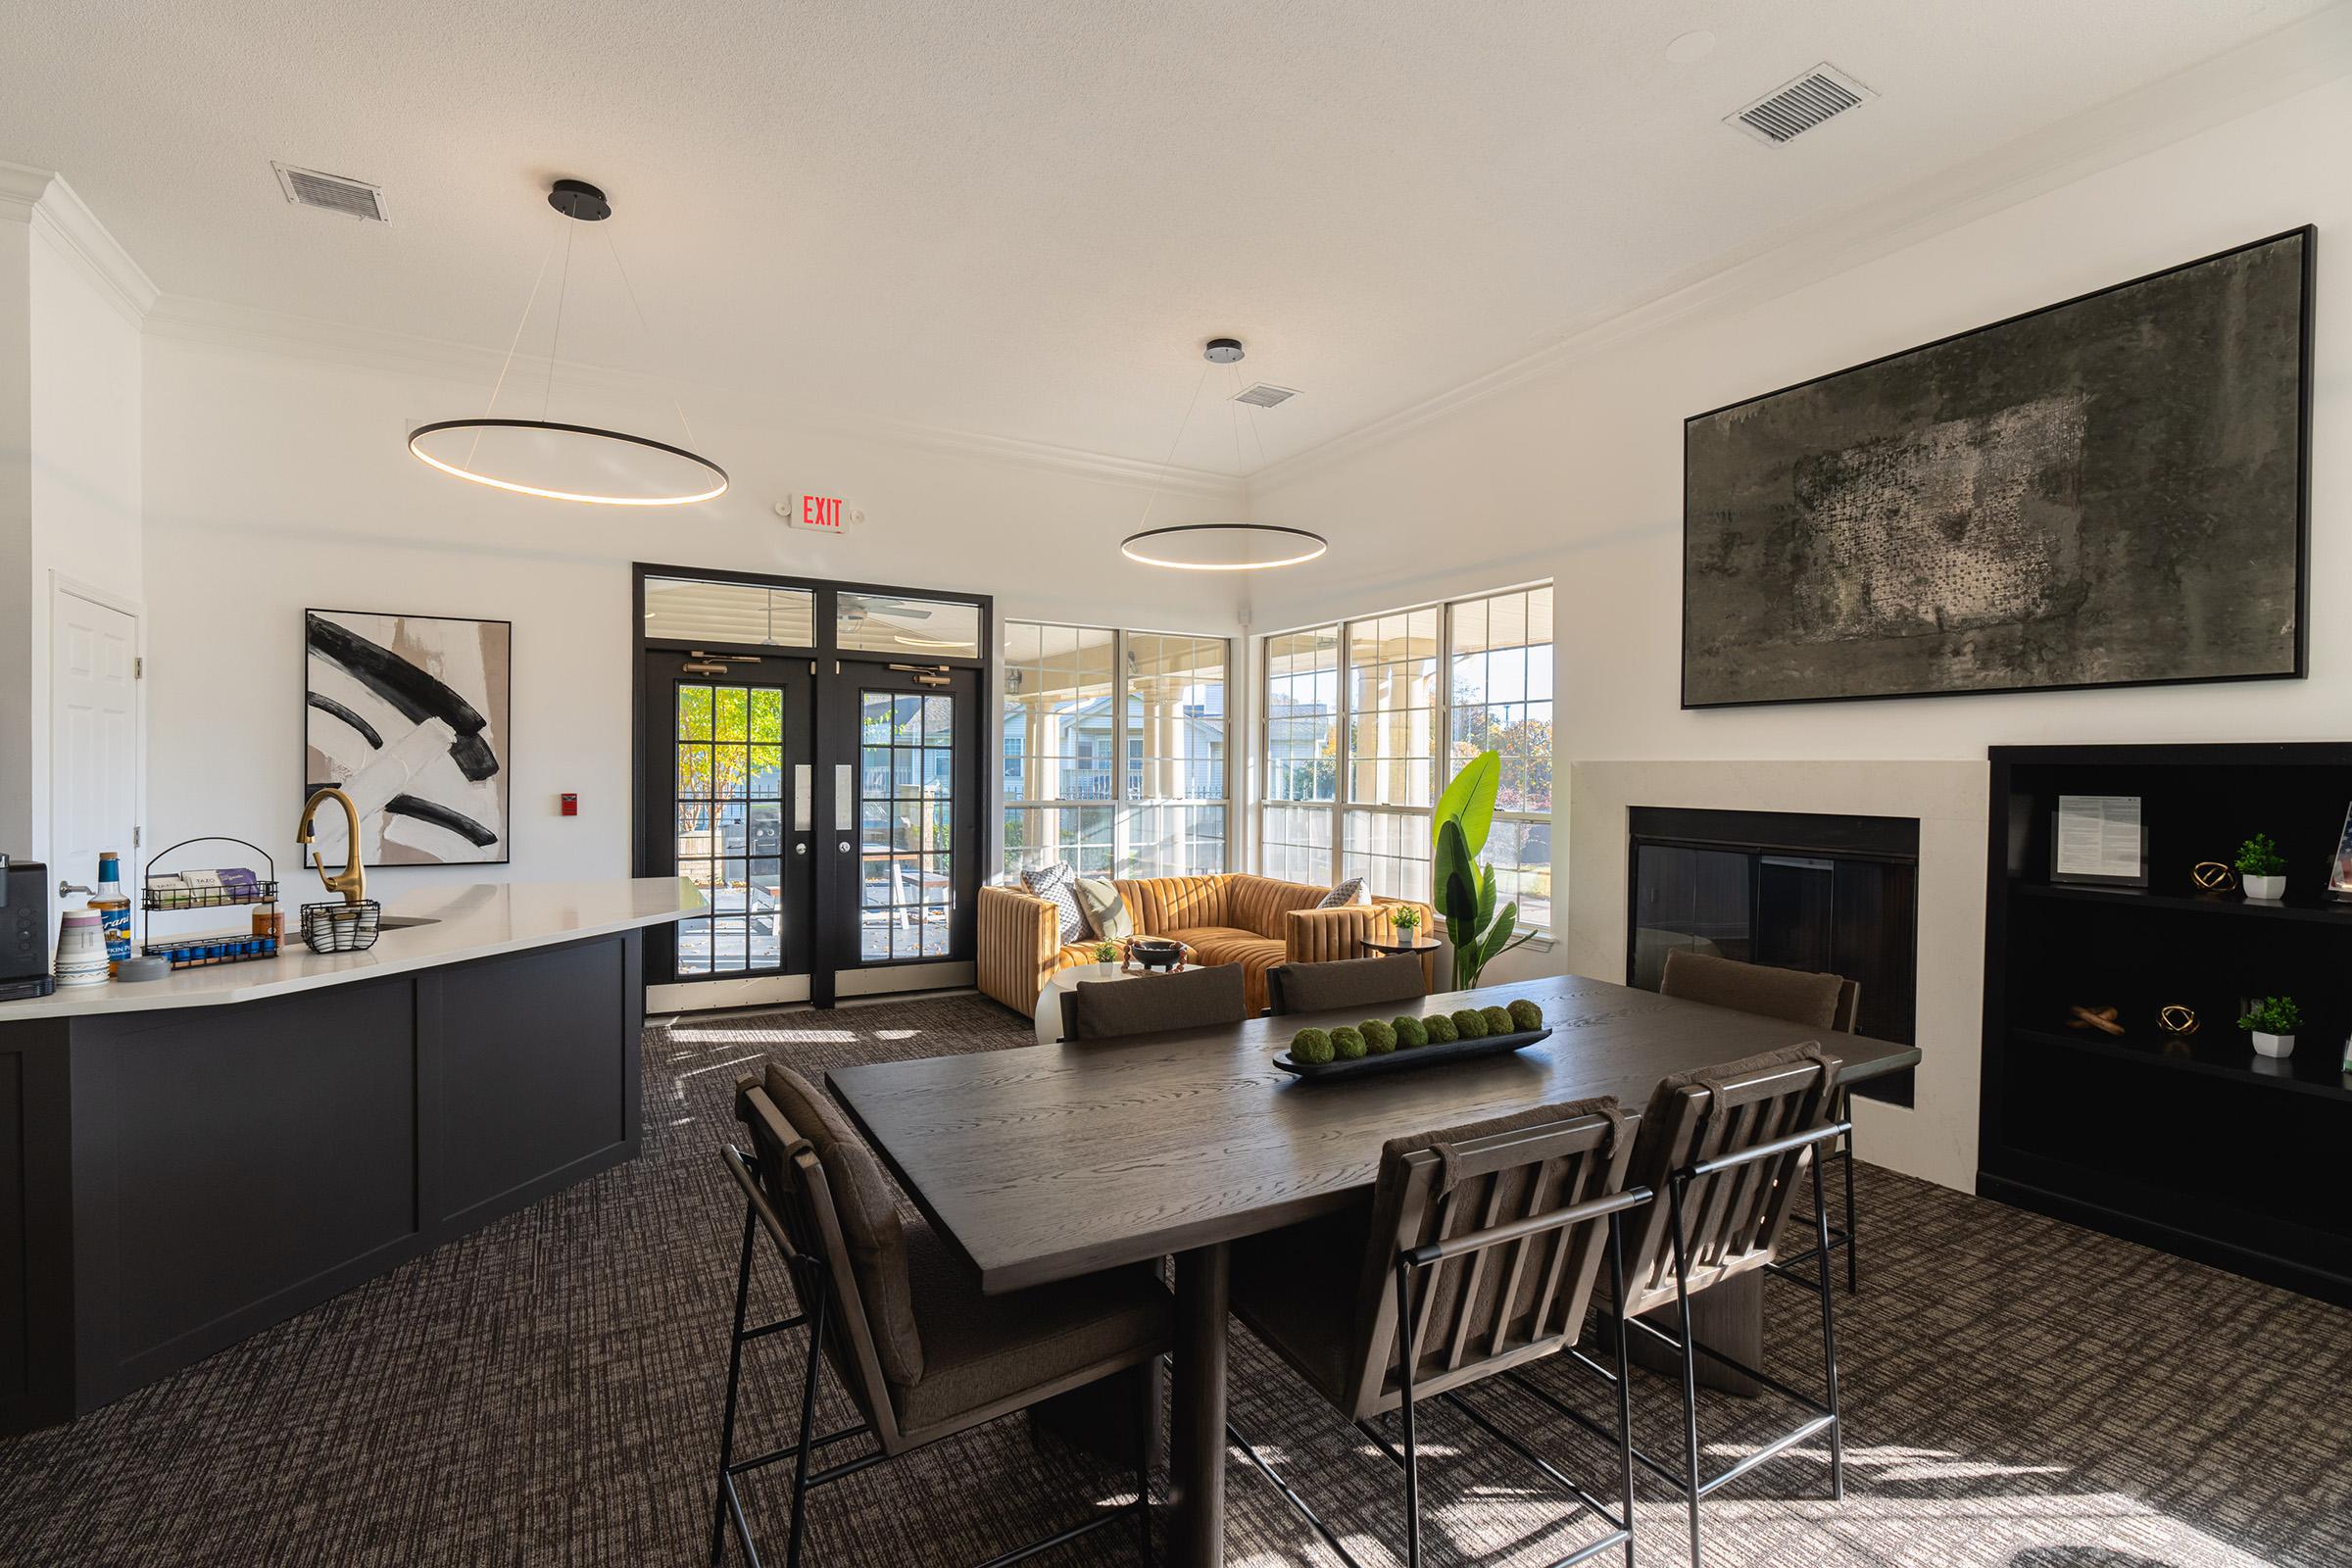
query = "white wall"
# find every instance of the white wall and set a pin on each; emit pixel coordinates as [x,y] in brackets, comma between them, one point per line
[70,457]
[1578,477]
[277,482]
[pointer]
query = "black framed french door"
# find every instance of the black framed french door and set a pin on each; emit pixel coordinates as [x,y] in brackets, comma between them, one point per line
[902,743]
[728,766]
[809,754]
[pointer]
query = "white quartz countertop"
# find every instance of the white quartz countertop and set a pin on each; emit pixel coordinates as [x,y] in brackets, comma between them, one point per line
[480,921]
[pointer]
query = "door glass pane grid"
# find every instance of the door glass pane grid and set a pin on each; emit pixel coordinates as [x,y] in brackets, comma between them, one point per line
[1175,717]
[729,795]
[1303,715]
[906,818]
[1392,711]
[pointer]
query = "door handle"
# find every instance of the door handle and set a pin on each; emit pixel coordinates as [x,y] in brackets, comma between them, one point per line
[65,888]
[844,846]
[800,849]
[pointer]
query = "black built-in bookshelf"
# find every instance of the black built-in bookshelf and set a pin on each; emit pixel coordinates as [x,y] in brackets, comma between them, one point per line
[2193,1144]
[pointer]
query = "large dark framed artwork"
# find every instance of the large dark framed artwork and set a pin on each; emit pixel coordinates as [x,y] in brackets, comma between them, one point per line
[410,715]
[2112,491]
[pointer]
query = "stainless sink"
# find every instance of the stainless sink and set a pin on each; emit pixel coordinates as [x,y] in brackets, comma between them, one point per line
[403,923]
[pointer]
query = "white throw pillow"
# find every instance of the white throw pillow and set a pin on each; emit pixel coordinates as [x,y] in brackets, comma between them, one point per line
[1347,893]
[1059,885]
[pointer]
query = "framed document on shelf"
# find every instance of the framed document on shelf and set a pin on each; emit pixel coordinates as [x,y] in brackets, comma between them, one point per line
[2099,840]
[2339,870]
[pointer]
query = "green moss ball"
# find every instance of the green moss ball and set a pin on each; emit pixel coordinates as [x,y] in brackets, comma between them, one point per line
[1498,1020]
[1310,1047]
[1525,1014]
[1346,1044]
[1378,1037]
[1439,1028]
[1409,1032]
[1470,1024]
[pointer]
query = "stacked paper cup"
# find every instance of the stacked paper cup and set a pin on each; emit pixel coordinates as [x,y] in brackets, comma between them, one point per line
[82,948]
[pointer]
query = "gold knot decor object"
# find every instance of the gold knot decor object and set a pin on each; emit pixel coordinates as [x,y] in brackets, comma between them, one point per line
[2102,1019]
[2177,1019]
[2214,877]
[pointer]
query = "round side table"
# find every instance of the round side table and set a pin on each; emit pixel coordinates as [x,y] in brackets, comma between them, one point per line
[1370,946]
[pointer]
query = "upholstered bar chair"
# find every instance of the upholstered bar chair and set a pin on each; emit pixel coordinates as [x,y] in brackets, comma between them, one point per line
[1196,999]
[902,1321]
[1727,1147]
[1347,983]
[1476,1254]
[1794,995]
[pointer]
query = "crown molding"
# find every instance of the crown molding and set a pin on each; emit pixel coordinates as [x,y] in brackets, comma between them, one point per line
[2256,74]
[52,208]
[242,329]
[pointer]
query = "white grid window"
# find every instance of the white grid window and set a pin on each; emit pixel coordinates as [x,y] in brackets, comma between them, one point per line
[1411,695]
[1114,750]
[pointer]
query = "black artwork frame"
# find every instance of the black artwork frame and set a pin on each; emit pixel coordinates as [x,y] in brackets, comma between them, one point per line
[2296,667]
[505,761]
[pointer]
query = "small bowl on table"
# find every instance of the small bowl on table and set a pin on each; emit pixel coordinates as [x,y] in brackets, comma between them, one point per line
[1156,954]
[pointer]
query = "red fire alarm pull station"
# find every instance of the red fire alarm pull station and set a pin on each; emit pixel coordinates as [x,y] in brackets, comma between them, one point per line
[571,804]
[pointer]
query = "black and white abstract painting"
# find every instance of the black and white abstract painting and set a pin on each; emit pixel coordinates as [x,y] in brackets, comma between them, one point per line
[2106,492]
[409,714]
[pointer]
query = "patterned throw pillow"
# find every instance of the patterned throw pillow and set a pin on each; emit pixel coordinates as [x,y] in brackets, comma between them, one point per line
[1349,891]
[1106,917]
[1058,885]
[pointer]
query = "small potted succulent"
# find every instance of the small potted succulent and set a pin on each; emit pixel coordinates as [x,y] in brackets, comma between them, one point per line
[2261,868]
[1406,918]
[2273,1022]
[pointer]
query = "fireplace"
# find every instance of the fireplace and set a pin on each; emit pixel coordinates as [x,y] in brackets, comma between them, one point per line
[1837,894]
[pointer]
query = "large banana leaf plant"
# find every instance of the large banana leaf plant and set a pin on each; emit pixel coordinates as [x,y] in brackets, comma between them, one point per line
[1465,889]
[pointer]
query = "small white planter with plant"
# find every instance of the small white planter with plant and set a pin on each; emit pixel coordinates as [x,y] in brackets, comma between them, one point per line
[2273,1022]
[2261,868]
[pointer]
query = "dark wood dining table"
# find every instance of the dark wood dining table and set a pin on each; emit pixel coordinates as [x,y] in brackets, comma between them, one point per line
[1046,1163]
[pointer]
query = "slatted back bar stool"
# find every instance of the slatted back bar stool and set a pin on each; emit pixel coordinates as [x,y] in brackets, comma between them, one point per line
[1727,1147]
[1477,1254]
[1812,1001]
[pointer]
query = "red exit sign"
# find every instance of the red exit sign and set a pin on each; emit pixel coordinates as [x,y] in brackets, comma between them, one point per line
[820,514]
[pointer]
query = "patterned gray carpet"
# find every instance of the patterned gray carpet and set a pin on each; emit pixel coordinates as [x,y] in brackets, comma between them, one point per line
[2018,1394]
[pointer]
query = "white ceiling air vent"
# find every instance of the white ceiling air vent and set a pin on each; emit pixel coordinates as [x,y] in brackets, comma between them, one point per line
[1264,395]
[1789,112]
[332,193]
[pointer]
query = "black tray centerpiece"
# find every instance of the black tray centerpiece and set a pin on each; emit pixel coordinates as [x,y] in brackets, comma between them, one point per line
[1409,1043]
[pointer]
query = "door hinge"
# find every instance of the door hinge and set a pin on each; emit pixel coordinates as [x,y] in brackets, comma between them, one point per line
[138,668]
[135,832]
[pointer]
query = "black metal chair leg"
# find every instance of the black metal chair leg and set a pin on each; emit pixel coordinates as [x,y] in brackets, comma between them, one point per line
[1404,1409]
[726,1426]
[1147,1424]
[1853,1234]
[1828,1331]
[1689,1357]
[800,1460]
[1625,1385]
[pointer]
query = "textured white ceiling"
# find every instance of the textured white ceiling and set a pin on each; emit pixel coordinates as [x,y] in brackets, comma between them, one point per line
[1020,219]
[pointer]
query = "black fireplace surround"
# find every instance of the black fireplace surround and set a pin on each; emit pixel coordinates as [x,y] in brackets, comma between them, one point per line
[1796,890]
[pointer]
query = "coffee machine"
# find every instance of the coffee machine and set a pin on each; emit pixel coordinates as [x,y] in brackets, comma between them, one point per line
[23,930]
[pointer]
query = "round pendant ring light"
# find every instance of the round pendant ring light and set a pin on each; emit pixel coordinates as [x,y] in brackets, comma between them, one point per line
[1219,546]
[1223,546]
[564,461]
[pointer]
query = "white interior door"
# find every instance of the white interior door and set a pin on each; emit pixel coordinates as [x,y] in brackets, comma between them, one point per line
[93,738]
